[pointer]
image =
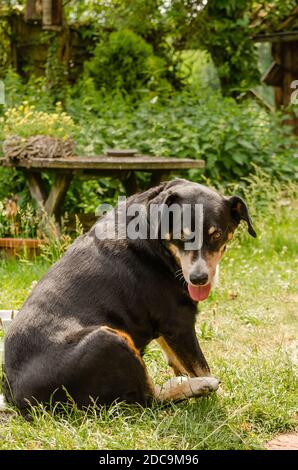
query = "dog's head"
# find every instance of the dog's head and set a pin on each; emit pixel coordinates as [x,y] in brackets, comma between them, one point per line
[199,224]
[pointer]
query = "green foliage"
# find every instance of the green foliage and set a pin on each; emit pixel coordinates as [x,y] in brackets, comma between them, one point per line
[148,19]
[225,28]
[226,35]
[33,91]
[199,71]
[206,331]
[13,182]
[4,45]
[125,62]
[231,137]
[86,196]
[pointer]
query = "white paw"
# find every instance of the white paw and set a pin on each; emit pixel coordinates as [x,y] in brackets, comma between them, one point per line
[203,385]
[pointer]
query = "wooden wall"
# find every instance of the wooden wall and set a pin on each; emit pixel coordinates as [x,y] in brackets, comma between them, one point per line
[29,47]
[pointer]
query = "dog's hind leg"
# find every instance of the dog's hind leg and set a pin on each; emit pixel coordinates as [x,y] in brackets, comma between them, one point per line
[95,364]
[180,388]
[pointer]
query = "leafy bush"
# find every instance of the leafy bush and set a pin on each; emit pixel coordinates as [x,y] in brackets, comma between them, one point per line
[126,62]
[85,196]
[33,91]
[13,182]
[231,137]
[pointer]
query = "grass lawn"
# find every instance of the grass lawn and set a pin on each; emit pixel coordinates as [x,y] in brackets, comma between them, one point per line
[248,330]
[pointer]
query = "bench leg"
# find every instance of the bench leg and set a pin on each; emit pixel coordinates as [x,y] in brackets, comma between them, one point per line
[130,183]
[36,188]
[159,176]
[52,202]
[57,194]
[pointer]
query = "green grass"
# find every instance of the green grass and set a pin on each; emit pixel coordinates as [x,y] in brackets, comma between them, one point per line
[248,331]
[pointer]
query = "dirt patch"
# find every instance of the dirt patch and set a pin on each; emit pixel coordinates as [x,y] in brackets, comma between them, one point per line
[283,442]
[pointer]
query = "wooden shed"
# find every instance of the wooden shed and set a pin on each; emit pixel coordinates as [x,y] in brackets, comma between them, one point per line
[283,70]
[29,43]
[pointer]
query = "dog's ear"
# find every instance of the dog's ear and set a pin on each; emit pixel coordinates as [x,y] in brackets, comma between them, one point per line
[168,189]
[168,195]
[239,211]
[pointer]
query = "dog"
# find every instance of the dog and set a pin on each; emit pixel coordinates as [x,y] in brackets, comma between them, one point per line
[83,329]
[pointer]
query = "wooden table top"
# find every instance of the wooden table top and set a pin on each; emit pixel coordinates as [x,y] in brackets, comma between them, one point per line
[137,163]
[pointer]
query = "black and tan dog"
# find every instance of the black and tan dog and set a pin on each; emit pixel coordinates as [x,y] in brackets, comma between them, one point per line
[85,325]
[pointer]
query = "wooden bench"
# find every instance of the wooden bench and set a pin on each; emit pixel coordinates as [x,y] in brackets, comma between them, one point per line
[122,167]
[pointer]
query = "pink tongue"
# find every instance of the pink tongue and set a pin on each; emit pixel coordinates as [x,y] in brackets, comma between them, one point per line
[199,292]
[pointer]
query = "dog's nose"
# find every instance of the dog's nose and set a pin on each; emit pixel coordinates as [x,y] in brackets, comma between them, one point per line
[198,278]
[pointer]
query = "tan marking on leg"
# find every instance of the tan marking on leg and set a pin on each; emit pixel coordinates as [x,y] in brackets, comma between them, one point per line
[211,230]
[126,337]
[176,364]
[171,357]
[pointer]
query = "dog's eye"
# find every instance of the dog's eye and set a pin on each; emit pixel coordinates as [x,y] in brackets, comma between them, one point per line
[216,235]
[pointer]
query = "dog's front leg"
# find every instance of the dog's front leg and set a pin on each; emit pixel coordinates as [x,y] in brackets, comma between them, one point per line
[171,357]
[184,353]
